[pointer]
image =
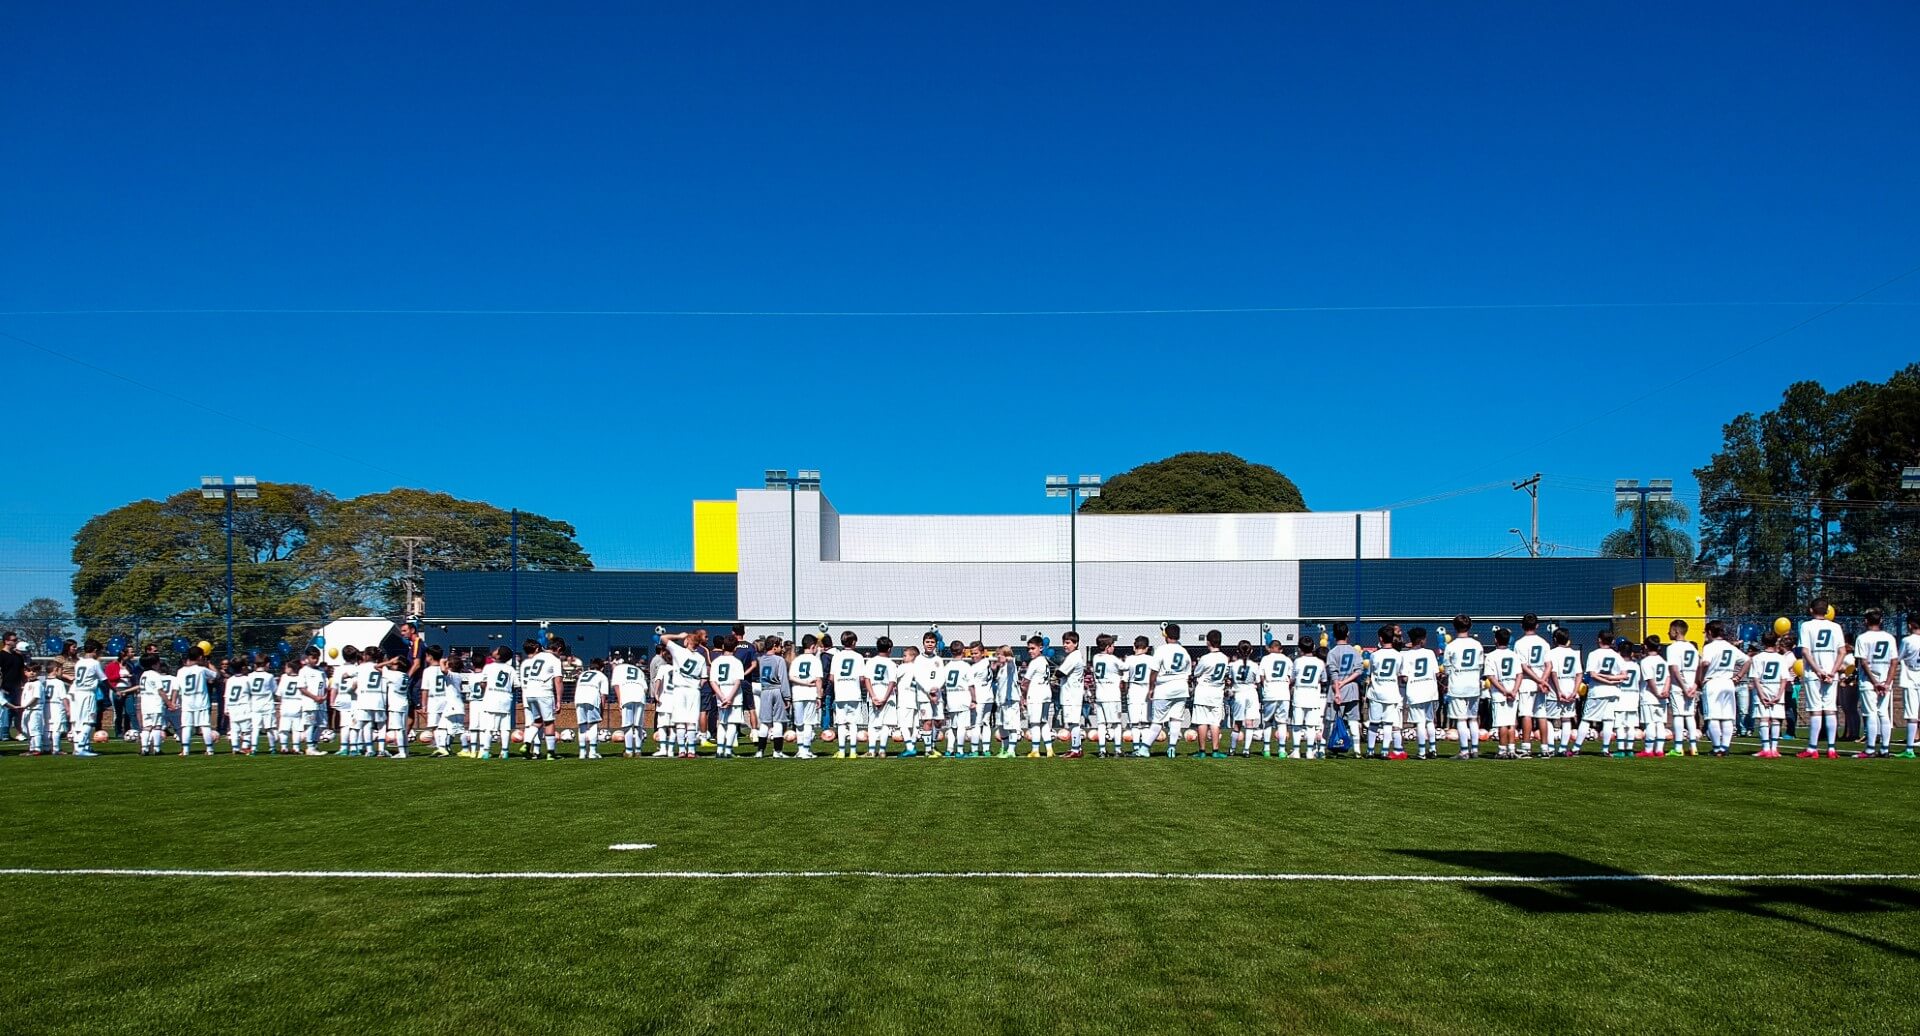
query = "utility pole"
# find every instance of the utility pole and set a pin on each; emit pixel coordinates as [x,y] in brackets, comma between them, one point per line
[244,487]
[1531,486]
[414,605]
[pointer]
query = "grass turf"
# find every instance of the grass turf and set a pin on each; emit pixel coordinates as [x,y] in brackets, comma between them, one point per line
[863,955]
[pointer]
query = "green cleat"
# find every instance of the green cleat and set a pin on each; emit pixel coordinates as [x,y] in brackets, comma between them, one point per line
[1908,754]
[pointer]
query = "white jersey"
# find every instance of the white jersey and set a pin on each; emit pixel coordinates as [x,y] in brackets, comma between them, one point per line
[1822,641]
[1384,665]
[590,688]
[1037,672]
[630,683]
[1723,661]
[956,684]
[1874,652]
[88,675]
[1465,660]
[846,666]
[1276,677]
[1653,678]
[1309,682]
[1072,670]
[1140,668]
[804,675]
[1564,664]
[438,684]
[1604,661]
[1210,680]
[1108,672]
[194,684]
[882,671]
[1175,666]
[499,679]
[1532,650]
[47,689]
[312,681]
[1910,660]
[1683,662]
[1503,668]
[538,673]
[234,691]
[1770,672]
[153,692]
[726,672]
[1421,670]
[262,687]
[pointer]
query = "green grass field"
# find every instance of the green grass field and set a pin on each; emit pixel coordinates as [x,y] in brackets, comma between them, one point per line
[861,954]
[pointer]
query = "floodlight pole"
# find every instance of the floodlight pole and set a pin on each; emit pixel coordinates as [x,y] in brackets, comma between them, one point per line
[1627,489]
[246,487]
[1085,486]
[778,478]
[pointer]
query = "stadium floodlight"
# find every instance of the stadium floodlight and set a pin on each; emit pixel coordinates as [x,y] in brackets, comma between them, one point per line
[1910,477]
[1084,486]
[1629,491]
[808,479]
[241,487]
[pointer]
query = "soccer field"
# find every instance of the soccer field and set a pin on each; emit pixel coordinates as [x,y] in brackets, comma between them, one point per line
[924,943]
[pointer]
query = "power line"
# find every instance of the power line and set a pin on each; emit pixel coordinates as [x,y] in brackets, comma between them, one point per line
[926,313]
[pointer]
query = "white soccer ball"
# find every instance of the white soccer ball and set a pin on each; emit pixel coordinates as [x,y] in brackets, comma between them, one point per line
[567,736]
[425,737]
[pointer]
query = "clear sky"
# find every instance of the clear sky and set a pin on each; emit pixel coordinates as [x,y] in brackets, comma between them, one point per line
[894,159]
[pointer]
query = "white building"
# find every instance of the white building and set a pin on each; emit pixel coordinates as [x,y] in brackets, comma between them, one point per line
[998,578]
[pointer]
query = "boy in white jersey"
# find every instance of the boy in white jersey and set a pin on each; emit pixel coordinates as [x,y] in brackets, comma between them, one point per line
[1420,669]
[1141,668]
[1560,700]
[82,706]
[1722,667]
[291,709]
[43,710]
[153,708]
[1606,672]
[589,708]
[1910,684]
[982,674]
[1627,697]
[806,674]
[263,689]
[1070,705]
[1036,697]
[1172,687]
[1656,690]
[1877,660]
[446,707]
[193,698]
[239,710]
[688,654]
[1503,691]
[847,668]
[1384,700]
[1464,664]
[1531,700]
[1109,674]
[1005,701]
[540,695]
[630,693]
[955,685]
[1243,700]
[1821,643]
[1771,671]
[1274,671]
[370,702]
[726,676]
[1209,696]
[1683,689]
[498,680]
[1309,704]
[877,693]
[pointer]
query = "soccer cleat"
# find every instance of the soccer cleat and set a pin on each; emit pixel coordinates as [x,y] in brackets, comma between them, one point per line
[1049,751]
[1007,752]
[908,752]
[1861,755]
[1074,754]
[1217,754]
[1033,753]
[1908,754]
[1266,751]
[1831,754]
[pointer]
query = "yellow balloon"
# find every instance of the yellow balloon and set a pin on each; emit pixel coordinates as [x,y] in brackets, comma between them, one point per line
[206,647]
[1783,625]
[1799,668]
[1829,611]
[333,652]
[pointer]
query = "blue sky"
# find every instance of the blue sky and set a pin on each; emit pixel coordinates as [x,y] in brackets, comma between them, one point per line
[748,158]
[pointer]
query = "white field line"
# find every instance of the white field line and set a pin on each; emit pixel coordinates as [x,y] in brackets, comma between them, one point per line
[1177,876]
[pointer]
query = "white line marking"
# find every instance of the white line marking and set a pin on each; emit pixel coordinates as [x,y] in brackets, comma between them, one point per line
[1439,879]
[627,847]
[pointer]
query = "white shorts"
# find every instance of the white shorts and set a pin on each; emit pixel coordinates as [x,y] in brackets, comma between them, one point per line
[1820,695]
[1206,715]
[1778,710]
[1107,713]
[1551,707]
[477,716]
[806,714]
[1137,708]
[398,708]
[1309,716]
[1463,709]
[584,714]
[153,714]
[1626,710]
[191,717]
[1873,704]
[502,722]
[293,714]
[1530,703]
[1170,710]
[730,716]
[1719,700]
[1598,710]
[1383,713]
[685,703]
[1910,697]
[1653,713]
[1273,713]
[369,711]
[540,710]
[633,714]
[442,711]
[850,713]
[1505,713]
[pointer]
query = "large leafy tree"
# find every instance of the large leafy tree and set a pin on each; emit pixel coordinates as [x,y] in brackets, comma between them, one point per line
[154,569]
[39,619]
[1198,483]
[360,558]
[1666,536]
[1804,500]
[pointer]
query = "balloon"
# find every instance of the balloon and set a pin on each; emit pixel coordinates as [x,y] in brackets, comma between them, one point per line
[1829,612]
[283,648]
[180,645]
[319,641]
[275,661]
[1799,668]
[53,645]
[1783,625]
[117,644]
[206,647]
[333,652]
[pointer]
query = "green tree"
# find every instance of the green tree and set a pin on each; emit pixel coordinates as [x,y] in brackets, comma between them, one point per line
[1197,483]
[360,560]
[1665,536]
[38,619]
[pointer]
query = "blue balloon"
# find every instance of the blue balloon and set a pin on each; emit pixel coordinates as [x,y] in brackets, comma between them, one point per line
[53,645]
[117,644]
[275,661]
[180,645]
[283,648]
[319,641]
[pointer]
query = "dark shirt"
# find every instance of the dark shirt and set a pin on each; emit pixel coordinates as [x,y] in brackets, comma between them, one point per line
[13,670]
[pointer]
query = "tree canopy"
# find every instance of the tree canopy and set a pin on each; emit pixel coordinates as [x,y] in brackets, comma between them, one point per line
[1197,483]
[157,568]
[1805,500]
[1666,537]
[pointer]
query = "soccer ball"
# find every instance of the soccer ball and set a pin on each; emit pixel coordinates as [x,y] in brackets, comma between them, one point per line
[1192,735]
[519,737]
[567,736]
[131,735]
[326,735]
[100,736]
[425,737]
[828,734]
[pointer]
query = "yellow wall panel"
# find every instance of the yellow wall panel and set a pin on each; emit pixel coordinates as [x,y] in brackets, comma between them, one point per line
[716,536]
[1664,602]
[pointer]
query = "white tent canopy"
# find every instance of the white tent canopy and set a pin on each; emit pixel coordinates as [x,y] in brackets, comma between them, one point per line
[362,632]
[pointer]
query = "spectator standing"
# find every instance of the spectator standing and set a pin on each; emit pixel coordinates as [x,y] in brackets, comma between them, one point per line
[13,678]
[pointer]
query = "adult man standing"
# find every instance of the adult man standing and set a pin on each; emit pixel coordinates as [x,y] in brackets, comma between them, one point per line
[13,677]
[413,662]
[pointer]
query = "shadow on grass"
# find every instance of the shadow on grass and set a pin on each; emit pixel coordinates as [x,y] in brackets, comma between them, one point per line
[1758,899]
